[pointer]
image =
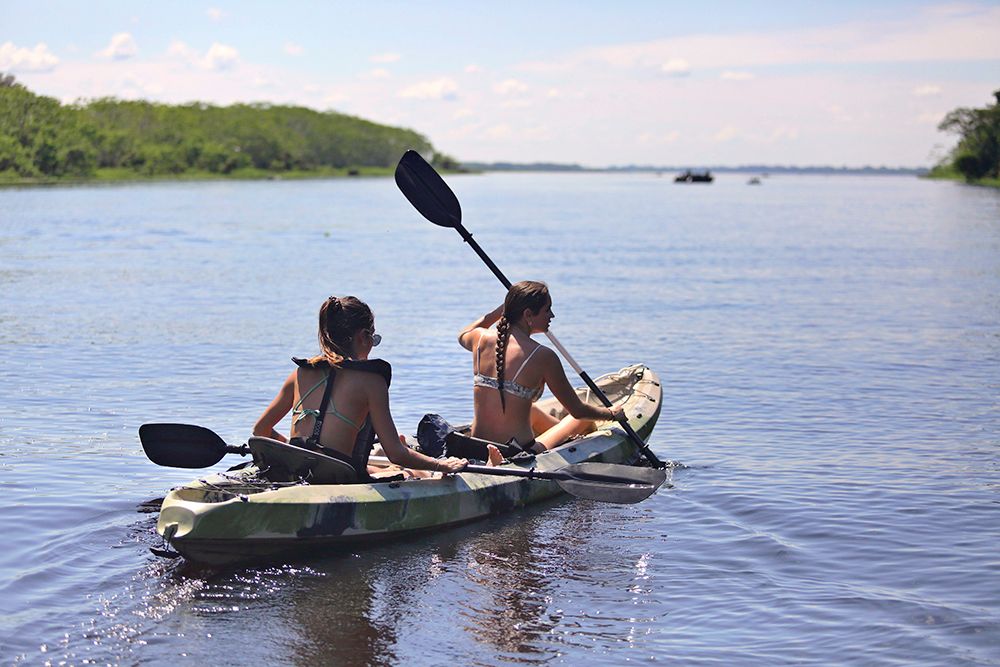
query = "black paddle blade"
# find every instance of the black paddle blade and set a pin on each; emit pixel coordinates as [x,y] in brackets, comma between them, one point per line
[181,445]
[427,191]
[611,483]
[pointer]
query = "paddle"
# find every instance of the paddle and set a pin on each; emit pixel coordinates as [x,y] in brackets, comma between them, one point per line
[189,446]
[185,445]
[432,197]
[604,482]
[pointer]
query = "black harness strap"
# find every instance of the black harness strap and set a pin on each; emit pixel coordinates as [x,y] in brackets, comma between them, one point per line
[323,405]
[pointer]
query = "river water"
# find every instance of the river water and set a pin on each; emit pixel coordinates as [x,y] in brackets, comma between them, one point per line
[830,348]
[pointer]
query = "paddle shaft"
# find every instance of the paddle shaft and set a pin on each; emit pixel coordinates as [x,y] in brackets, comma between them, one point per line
[532,474]
[553,475]
[643,447]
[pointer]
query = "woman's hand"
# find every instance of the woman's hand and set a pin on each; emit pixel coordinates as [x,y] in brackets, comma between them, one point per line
[617,412]
[470,334]
[451,465]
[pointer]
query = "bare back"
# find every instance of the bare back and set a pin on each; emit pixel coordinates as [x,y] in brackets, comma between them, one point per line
[496,422]
[349,406]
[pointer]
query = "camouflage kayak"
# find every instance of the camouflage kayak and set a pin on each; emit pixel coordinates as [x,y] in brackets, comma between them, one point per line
[237,515]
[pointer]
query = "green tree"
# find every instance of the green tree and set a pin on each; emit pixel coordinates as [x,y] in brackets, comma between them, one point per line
[41,137]
[977,154]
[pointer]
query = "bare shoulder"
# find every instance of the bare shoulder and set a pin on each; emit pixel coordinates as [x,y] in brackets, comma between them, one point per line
[548,359]
[363,379]
[546,355]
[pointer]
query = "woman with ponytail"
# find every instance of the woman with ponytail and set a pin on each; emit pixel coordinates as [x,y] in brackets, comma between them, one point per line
[357,403]
[511,370]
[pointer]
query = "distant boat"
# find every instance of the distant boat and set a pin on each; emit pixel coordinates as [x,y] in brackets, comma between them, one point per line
[691,177]
[754,181]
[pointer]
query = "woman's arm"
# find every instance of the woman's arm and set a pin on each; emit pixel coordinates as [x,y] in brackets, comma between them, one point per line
[555,377]
[275,412]
[470,334]
[388,436]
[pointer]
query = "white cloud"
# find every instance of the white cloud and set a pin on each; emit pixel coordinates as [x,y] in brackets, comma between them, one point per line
[178,49]
[676,67]
[385,58]
[121,47]
[220,56]
[516,104]
[921,36]
[437,89]
[840,114]
[473,69]
[22,59]
[736,76]
[510,87]
[499,132]
[133,87]
[294,49]
[215,13]
[379,73]
[668,138]
[728,133]
[783,133]
[927,91]
[930,118]
[336,98]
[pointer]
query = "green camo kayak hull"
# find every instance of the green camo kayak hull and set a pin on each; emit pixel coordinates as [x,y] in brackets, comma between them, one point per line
[232,516]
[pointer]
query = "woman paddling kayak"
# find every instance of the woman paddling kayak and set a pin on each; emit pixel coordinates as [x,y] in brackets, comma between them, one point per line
[357,403]
[511,371]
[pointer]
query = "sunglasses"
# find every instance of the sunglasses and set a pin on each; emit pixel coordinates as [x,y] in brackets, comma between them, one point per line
[376,338]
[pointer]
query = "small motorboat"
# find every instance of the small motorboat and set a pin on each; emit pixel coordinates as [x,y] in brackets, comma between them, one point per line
[691,177]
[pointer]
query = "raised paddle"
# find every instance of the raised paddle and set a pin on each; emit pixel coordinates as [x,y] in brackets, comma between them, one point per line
[432,197]
[189,446]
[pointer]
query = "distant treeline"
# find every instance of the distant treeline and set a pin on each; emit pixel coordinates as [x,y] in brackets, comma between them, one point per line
[39,137]
[976,157]
[755,168]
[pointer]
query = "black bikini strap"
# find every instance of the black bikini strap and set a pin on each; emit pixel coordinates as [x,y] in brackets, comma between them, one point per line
[323,405]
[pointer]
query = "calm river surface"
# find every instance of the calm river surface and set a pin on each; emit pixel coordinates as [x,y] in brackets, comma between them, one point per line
[830,348]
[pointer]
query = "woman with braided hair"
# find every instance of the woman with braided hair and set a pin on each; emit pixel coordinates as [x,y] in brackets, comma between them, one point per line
[511,370]
[358,403]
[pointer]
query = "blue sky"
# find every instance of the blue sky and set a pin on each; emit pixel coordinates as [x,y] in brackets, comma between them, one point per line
[598,83]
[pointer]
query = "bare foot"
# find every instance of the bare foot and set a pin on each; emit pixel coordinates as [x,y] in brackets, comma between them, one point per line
[495,457]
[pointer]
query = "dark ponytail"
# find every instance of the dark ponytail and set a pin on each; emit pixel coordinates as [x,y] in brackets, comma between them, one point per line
[527,294]
[339,319]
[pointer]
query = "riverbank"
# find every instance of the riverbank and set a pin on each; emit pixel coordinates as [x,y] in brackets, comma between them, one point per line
[951,174]
[116,175]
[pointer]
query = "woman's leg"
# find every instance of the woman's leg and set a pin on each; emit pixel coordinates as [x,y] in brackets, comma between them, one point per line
[564,430]
[541,421]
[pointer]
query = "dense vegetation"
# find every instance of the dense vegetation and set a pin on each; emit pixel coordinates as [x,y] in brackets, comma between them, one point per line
[976,157]
[43,139]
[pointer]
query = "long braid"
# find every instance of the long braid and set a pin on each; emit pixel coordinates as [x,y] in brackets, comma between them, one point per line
[503,335]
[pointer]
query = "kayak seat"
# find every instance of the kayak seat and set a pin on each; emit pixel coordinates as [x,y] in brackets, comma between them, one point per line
[282,462]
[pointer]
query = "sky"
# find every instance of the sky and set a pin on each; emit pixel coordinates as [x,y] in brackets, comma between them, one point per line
[847,83]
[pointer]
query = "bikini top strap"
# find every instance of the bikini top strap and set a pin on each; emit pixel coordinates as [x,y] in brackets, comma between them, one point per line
[525,362]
